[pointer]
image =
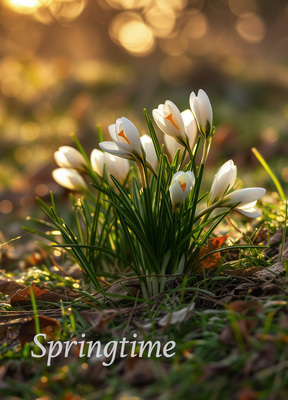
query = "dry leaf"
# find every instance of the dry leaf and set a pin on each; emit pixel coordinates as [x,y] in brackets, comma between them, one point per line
[272,272]
[245,307]
[172,318]
[126,287]
[247,394]
[10,286]
[23,296]
[177,316]
[207,261]
[49,326]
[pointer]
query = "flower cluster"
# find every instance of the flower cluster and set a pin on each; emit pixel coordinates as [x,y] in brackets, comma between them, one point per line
[155,218]
[180,131]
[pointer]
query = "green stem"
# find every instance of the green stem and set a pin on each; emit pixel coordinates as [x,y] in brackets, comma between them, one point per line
[189,150]
[173,240]
[207,210]
[142,175]
[206,149]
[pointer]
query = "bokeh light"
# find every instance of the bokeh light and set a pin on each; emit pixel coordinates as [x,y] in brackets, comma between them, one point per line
[251,27]
[26,6]
[161,20]
[129,30]
[128,4]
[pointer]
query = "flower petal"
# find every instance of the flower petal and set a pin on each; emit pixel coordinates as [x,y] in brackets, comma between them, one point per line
[97,160]
[116,166]
[113,148]
[172,145]
[68,157]
[190,126]
[244,196]
[250,212]
[162,123]
[224,178]
[132,136]
[150,152]
[70,179]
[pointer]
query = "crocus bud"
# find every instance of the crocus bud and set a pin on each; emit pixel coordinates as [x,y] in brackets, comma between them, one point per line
[181,185]
[126,140]
[68,157]
[202,111]
[223,181]
[150,152]
[247,199]
[169,120]
[116,166]
[70,179]
[97,160]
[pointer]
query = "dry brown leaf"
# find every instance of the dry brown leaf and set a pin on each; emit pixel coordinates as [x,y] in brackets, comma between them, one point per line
[247,394]
[8,286]
[49,326]
[245,307]
[207,261]
[23,296]
[177,317]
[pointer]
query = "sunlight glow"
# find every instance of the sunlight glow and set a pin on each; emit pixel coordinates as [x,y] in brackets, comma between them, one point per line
[25,6]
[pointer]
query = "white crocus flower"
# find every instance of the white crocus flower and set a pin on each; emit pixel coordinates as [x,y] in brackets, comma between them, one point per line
[70,179]
[202,111]
[116,166]
[148,146]
[169,120]
[181,185]
[190,124]
[68,157]
[223,181]
[126,140]
[246,200]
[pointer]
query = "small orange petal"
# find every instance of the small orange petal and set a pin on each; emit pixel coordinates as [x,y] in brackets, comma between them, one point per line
[183,186]
[170,118]
[122,134]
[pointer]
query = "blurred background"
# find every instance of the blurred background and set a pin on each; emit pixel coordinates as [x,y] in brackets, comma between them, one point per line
[68,65]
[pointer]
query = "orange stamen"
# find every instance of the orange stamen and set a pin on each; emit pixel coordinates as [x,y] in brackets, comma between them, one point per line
[170,118]
[122,134]
[183,186]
